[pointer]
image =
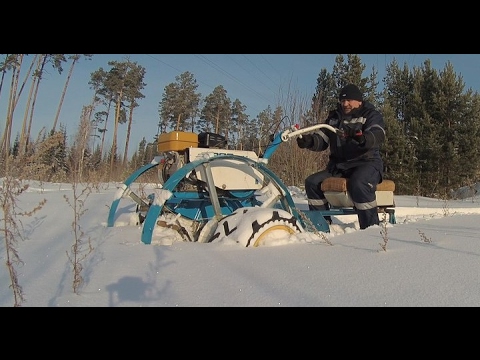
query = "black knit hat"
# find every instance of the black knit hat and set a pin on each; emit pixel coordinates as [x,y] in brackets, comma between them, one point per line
[350,92]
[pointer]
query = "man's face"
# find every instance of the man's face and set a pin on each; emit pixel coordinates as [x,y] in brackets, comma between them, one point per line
[350,105]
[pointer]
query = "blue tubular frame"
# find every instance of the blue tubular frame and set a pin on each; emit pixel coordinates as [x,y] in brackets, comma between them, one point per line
[202,207]
[181,202]
[126,187]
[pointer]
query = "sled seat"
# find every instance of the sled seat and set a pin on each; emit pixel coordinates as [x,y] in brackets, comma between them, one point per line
[335,190]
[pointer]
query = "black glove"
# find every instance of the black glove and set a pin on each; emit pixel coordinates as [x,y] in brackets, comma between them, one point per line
[354,134]
[305,141]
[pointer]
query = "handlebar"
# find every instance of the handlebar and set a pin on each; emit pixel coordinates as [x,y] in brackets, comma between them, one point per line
[287,134]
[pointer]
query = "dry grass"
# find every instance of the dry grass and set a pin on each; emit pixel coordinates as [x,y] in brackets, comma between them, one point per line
[384,231]
[424,237]
[81,246]
[311,227]
[11,189]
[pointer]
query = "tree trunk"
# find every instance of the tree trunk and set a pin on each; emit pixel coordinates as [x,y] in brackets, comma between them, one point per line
[23,133]
[127,140]
[12,102]
[57,115]
[39,75]
[115,129]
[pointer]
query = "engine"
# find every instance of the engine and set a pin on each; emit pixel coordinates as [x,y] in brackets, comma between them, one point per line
[174,148]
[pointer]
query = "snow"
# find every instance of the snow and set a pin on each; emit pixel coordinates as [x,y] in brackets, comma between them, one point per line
[431,260]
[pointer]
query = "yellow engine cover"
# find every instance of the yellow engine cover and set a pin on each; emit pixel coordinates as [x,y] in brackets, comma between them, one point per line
[177,141]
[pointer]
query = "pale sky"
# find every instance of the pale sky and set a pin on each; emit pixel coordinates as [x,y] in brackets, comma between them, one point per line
[257,80]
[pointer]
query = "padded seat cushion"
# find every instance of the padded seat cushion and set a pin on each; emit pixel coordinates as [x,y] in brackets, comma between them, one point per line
[340,184]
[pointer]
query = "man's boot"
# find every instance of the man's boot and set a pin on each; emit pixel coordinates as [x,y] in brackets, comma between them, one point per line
[368,218]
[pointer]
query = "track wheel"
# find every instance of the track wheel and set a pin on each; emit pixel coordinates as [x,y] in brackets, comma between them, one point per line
[254,226]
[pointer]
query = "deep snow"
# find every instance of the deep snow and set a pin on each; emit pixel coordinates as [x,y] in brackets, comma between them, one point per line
[431,259]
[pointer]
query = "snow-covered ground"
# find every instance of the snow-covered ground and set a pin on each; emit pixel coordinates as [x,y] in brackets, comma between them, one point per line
[431,259]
